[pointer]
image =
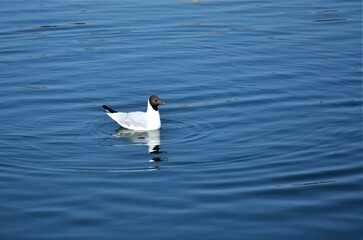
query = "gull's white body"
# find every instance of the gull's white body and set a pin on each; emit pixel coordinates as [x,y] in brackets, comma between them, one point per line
[142,121]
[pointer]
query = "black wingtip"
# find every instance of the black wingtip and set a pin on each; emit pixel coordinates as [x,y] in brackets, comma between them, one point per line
[108,109]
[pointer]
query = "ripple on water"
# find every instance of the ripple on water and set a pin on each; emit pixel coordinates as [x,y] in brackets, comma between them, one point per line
[174,129]
[45,155]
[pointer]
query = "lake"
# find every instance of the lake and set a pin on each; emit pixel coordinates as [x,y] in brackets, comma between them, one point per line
[261,135]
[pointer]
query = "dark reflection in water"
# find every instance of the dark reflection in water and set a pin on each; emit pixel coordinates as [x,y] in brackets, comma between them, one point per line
[330,20]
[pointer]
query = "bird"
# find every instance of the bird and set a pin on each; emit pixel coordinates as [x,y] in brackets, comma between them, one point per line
[140,121]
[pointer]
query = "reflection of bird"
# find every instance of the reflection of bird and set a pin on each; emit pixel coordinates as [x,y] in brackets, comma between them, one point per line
[150,138]
[149,120]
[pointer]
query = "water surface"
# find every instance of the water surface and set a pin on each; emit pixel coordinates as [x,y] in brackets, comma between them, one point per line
[261,137]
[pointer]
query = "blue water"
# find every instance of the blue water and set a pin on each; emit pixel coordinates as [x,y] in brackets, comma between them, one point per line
[261,136]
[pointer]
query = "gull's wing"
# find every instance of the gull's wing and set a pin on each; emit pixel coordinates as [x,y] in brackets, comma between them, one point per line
[132,120]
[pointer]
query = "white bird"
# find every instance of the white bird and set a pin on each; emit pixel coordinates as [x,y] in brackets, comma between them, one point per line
[144,121]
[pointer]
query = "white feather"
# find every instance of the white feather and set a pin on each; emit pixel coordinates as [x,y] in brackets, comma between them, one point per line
[149,120]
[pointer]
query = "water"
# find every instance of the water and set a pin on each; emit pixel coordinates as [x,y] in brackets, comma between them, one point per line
[261,136]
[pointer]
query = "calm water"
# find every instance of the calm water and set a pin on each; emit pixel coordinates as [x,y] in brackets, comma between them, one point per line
[261,137]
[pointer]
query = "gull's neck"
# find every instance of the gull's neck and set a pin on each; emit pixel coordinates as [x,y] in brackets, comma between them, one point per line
[153,117]
[150,109]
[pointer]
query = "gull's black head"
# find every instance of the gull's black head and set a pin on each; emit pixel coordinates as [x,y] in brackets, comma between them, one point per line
[155,102]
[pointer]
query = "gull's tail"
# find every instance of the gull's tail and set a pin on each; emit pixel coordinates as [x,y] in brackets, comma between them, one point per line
[108,109]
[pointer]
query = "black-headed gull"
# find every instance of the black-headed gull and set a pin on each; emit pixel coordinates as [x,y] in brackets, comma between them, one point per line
[149,120]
